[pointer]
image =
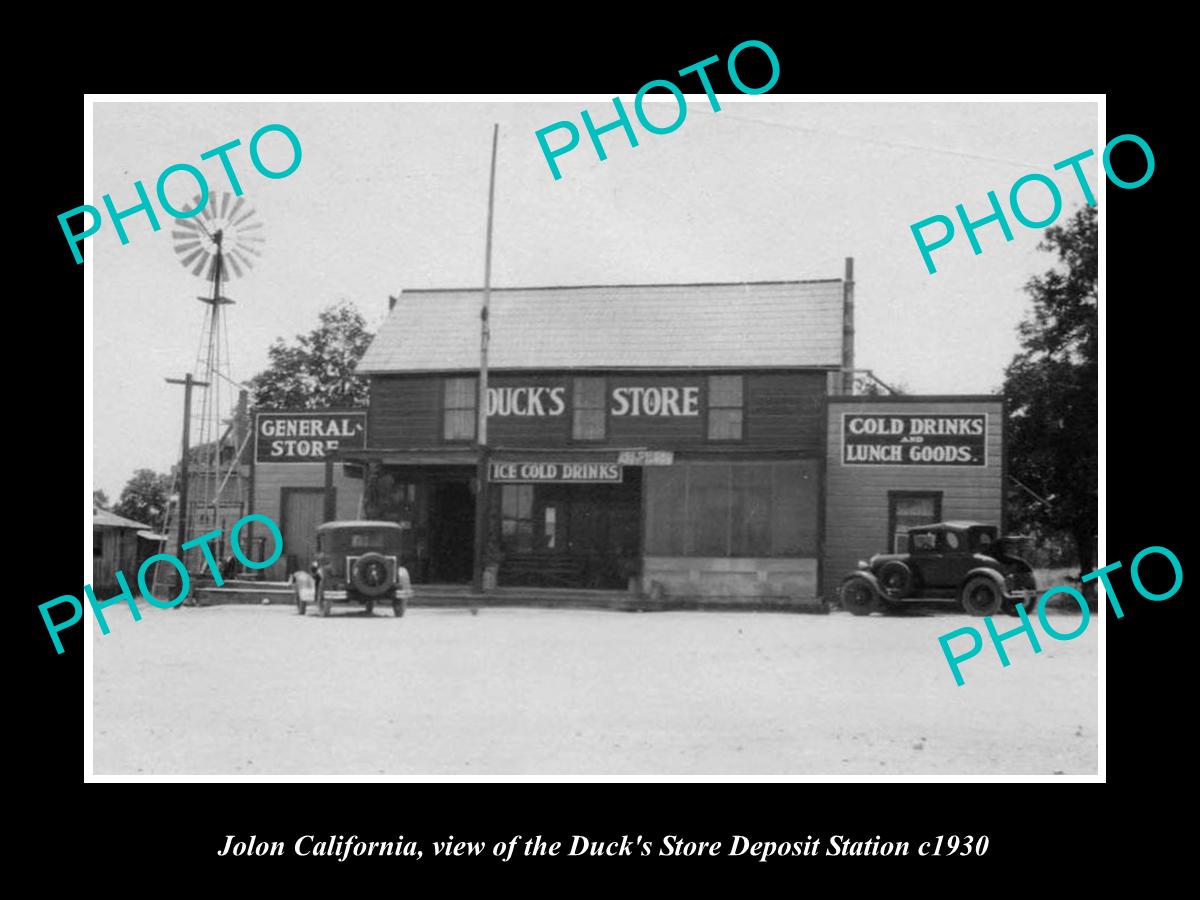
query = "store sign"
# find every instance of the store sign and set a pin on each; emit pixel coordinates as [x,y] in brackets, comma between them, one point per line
[906,439]
[307,436]
[550,401]
[560,472]
[646,457]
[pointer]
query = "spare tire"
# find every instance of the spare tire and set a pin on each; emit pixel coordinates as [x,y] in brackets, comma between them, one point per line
[371,575]
[895,580]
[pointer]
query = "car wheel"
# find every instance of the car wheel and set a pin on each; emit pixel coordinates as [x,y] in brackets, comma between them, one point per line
[981,596]
[859,597]
[895,580]
[323,605]
[1029,603]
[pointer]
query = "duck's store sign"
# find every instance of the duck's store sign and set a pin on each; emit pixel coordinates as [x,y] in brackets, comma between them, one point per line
[307,436]
[913,439]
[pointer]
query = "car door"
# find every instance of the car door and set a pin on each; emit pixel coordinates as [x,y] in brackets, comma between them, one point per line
[941,568]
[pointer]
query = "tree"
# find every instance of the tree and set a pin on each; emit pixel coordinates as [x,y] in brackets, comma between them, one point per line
[100,499]
[317,371]
[144,497]
[1051,389]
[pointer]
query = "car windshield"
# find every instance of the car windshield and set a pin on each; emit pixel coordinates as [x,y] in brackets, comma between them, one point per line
[921,540]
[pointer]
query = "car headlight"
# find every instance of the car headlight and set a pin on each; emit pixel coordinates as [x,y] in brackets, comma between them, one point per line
[863,564]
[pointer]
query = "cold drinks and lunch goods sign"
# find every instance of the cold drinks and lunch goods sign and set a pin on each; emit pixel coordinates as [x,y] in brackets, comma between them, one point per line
[914,439]
[296,437]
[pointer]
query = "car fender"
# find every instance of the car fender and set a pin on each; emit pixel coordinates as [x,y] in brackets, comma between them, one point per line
[305,586]
[990,573]
[866,576]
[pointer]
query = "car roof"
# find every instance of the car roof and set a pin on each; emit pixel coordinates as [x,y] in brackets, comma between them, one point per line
[956,525]
[358,523]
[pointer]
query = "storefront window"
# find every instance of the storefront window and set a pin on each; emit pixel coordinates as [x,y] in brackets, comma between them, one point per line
[732,509]
[725,407]
[910,509]
[516,512]
[588,408]
[458,409]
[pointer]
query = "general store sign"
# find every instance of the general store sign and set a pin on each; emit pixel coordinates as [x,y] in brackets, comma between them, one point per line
[295,437]
[561,472]
[910,439]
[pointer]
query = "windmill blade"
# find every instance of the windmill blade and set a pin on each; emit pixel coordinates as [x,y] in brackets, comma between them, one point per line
[187,260]
[245,260]
[246,248]
[237,205]
[200,265]
[250,227]
[237,270]
[188,223]
[187,246]
[249,213]
[224,203]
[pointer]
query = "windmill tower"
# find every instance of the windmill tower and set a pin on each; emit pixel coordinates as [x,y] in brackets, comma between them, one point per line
[218,241]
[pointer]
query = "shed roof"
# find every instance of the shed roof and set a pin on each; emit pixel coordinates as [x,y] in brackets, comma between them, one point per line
[103,518]
[772,324]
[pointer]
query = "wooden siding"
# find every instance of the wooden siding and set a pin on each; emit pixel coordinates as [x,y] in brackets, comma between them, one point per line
[856,496]
[271,478]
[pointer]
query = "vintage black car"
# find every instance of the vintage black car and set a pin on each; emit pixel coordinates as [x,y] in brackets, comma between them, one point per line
[356,562]
[963,561]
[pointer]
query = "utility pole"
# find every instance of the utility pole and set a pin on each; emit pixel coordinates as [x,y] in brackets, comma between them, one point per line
[182,512]
[481,472]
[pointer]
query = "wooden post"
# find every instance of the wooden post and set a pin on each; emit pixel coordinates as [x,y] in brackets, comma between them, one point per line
[481,468]
[848,328]
[182,512]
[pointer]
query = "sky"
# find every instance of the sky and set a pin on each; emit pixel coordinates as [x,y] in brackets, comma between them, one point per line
[391,196]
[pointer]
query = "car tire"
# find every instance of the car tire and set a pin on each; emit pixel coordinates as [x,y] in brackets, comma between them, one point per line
[859,597]
[368,564]
[895,580]
[1010,606]
[981,596]
[324,606]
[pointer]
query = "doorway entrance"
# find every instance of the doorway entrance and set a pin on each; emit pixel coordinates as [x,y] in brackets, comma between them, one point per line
[451,532]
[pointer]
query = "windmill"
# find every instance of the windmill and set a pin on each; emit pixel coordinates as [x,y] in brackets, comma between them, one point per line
[222,238]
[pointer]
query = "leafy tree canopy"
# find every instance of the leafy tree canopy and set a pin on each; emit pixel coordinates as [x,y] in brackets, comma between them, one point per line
[144,497]
[316,371]
[1051,388]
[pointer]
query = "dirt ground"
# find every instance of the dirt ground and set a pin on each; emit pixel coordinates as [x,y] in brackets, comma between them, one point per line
[259,690]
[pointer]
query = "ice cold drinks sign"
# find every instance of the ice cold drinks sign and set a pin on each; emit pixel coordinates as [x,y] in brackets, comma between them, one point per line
[912,439]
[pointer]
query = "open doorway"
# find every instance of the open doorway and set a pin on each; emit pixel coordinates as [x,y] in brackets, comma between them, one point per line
[451,532]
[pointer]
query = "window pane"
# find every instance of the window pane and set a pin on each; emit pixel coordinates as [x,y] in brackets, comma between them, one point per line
[725,424]
[795,496]
[708,510]
[460,424]
[589,393]
[524,500]
[550,529]
[666,514]
[508,500]
[460,393]
[724,390]
[751,511]
[915,506]
[588,425]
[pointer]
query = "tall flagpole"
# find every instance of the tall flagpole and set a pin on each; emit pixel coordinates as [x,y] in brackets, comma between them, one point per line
[481,473]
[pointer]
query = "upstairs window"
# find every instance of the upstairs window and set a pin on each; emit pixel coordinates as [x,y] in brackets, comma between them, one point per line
[458,409]
[588,410]
[725,407]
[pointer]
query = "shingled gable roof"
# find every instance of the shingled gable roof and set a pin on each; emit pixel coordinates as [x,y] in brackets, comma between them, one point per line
[777,324]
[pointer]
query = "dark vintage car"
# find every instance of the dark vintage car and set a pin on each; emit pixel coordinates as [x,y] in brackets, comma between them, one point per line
[355,562]
[963,561]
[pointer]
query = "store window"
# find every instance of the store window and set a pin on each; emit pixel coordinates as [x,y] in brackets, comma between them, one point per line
[725,407]
[516,517]
[458,409]
[911,509]
[733,509]
[588,423]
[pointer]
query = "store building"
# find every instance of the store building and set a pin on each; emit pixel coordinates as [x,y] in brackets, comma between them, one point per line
[684,441]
